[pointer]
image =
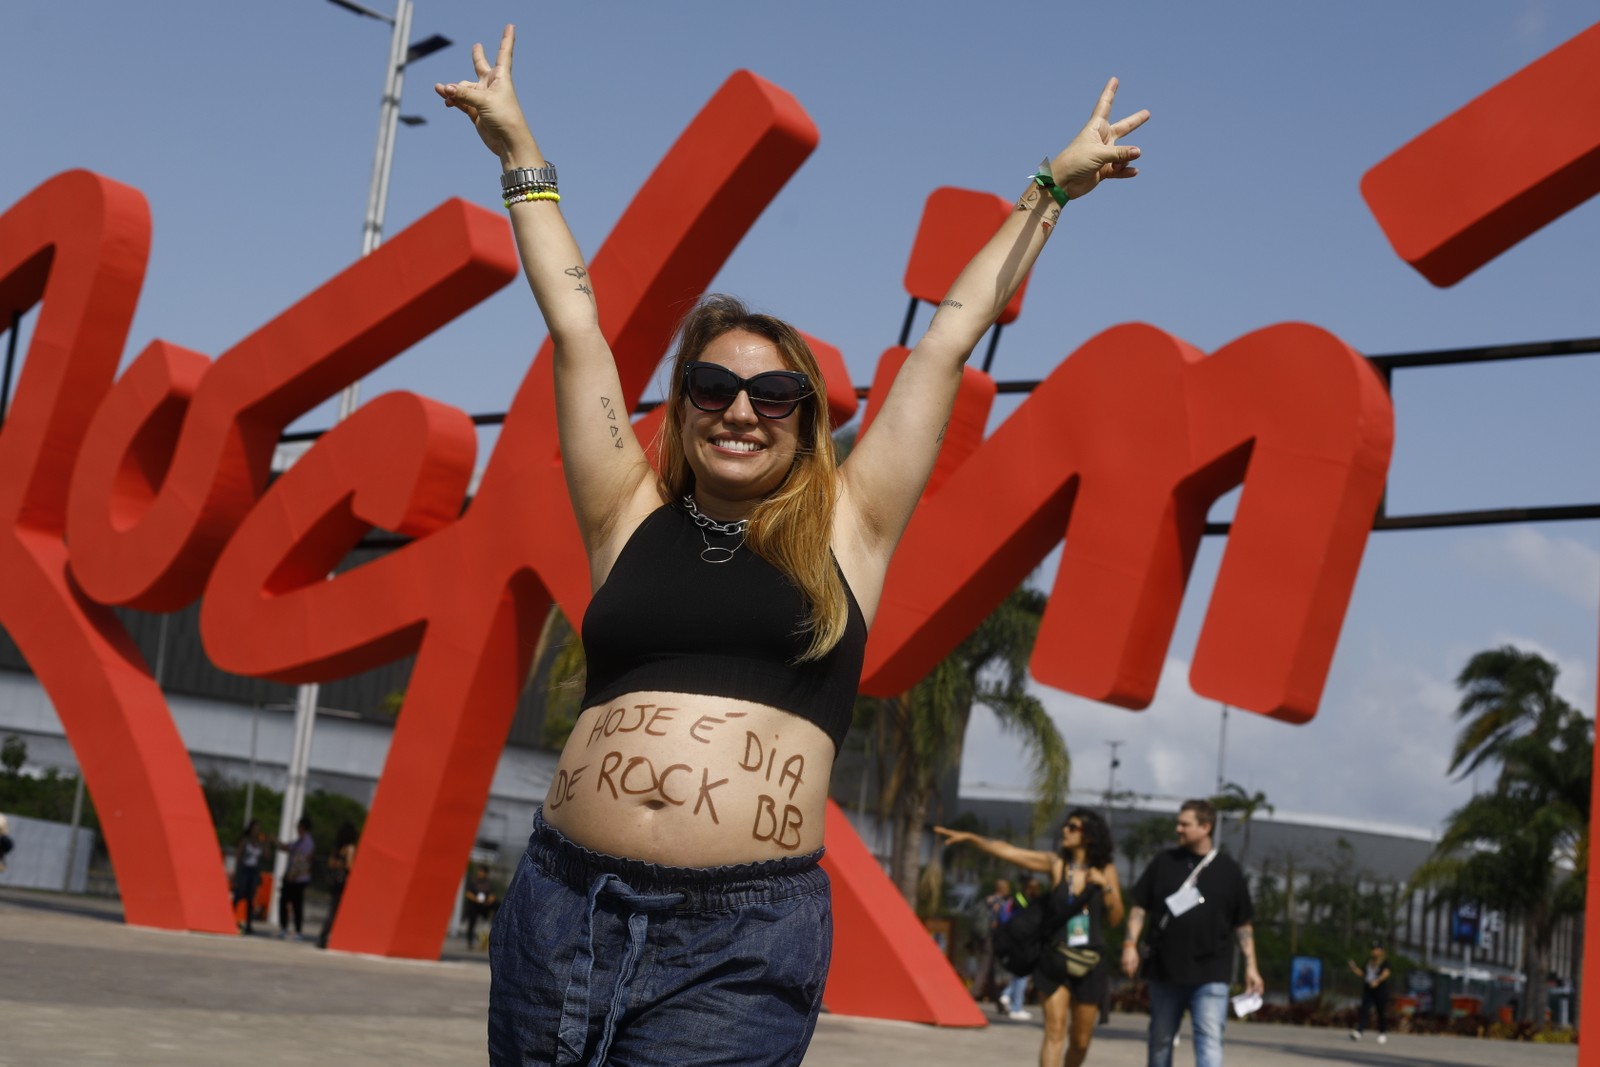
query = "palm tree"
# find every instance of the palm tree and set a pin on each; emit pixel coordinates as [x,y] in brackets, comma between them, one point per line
[919,734]
[559,656]
[1522,848]
[1507,693]
[1234,800]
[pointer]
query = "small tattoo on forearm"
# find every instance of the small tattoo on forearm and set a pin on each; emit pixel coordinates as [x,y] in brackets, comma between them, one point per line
[1029,199]
[952,304]
[580,274]
[940,439]
[616,430]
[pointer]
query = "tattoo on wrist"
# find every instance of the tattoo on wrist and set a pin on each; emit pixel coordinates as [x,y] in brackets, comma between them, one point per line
[1029,199]
[958,305]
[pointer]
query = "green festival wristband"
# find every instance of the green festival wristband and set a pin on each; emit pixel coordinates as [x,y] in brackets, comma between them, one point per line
[1047,181]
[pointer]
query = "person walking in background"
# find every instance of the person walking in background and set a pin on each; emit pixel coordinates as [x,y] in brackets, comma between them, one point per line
[247,853]
[1083,901]
[479,902]
[1374,992]
[6,844]
[1014,999]
[339,864]
[990,914]
[296,876]
[1200,902]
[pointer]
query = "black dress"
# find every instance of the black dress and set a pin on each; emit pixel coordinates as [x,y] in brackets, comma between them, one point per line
[1068,916]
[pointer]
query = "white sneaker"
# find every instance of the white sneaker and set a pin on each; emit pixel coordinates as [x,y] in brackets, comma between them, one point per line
[1383,1039]
[1005,1003]
[1020,1015]
[1355,1035]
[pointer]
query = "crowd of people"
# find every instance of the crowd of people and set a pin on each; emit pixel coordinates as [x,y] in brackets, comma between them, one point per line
[1187,915]
[253,853]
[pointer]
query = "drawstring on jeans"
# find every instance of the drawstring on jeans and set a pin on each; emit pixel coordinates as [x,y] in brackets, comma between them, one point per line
[575,1006]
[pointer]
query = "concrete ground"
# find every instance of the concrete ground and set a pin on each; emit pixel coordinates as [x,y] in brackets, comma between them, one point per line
[79,987]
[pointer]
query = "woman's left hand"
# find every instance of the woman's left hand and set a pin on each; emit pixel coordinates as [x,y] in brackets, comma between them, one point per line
[1094,155]
[1096,876]
[491,101]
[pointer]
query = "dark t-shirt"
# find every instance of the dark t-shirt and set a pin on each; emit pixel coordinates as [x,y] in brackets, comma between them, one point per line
[1196,947]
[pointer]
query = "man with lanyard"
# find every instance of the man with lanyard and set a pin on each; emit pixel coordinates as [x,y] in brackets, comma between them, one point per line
[1199,903]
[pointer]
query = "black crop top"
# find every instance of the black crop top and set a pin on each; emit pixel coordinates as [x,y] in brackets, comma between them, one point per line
[666,620]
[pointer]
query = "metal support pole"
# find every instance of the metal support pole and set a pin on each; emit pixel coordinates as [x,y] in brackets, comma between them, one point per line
[306,697]
[1111,779]
[382,161]
[250,786]
[72,838]
[1222,749]
[161,651]
[11,363]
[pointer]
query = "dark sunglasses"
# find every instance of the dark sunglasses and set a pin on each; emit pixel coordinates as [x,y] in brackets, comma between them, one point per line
[773,394]
[1078,826]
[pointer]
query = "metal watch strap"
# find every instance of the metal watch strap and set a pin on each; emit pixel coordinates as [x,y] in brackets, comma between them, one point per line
[524,176]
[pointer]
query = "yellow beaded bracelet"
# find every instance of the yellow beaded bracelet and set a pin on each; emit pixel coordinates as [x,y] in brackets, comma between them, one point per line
[532,196]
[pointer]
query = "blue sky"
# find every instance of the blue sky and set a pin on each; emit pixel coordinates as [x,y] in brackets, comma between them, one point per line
[250,128]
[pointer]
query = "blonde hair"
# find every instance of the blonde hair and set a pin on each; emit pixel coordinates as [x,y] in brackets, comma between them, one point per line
[793,528]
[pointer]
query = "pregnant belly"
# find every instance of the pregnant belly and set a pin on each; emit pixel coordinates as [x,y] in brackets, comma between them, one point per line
[692,781]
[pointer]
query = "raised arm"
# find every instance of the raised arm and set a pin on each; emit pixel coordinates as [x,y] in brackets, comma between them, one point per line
[1026,858]
[886,472]
[607,474]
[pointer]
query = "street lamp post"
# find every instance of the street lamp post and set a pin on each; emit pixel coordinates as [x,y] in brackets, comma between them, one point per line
[305,704]
[1111,778]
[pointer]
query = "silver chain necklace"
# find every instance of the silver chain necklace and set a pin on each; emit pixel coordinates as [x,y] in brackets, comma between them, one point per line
[715,553]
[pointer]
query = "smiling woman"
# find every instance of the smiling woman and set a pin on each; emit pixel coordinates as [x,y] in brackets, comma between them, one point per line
[670,907]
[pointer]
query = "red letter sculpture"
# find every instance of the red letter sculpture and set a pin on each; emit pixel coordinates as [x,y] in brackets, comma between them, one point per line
[79,244]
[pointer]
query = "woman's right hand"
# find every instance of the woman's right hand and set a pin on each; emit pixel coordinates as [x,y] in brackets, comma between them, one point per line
[491,101]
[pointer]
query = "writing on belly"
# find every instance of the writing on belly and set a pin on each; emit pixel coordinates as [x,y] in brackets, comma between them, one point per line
[615,775]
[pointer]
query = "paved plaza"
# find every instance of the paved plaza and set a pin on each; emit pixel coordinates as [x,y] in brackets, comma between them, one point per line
[79,987]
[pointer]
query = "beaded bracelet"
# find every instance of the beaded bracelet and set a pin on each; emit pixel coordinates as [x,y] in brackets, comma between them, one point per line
[537,194]
[1047,181]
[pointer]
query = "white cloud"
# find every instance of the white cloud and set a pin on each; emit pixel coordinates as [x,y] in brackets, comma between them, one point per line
[1378,750]
[1567,567]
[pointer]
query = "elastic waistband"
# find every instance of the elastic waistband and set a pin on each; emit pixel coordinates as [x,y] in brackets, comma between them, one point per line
[702,888]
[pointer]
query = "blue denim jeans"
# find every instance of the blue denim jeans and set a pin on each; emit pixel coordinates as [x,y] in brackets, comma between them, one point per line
[598,960]
[1208,1011]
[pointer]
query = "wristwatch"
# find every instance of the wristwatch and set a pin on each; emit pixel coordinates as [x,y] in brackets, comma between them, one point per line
[525,176]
